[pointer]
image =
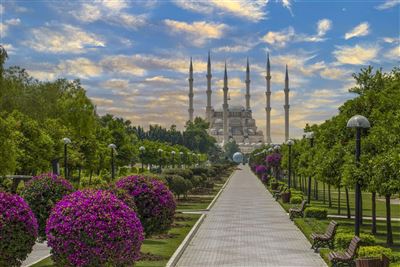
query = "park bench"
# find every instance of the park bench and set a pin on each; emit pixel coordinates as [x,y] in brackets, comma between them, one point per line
[297,212]
[281,188]
[347,257]
[320,240]
[279,194]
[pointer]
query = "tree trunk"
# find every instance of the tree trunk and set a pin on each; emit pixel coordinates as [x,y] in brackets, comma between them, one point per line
[316,189]
[323,192]
[389,236]
[347,203]
[329,196]
[339,208]
[373,230]
[361,208]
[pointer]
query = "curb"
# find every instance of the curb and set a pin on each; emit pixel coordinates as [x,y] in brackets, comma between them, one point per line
[219,192]
[185,243]
[39,260]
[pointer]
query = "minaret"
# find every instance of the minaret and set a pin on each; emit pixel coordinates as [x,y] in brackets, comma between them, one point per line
[268,106]
[247,85]
[286,106]
[191,91]
[208,108]
[225,106]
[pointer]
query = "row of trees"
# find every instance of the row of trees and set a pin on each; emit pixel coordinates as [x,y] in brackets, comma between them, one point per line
[332,160]
[36,115]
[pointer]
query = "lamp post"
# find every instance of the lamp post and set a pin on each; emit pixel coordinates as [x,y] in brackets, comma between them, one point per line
[359,122]
[181,157]
[112,147]
[310,136]
[66,142]
[142,149]
[290,143]
[160,151]
[173,158]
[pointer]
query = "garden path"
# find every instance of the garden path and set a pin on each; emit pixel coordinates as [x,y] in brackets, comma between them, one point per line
[247,227]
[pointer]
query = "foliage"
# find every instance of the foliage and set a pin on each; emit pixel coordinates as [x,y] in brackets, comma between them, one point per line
[317,213]
[185,173]
[343,239]
[179,185]
[18,229]
[89,228]
[260,169]
[155,202]
[231,148]
[92,182]
[274,160]
[42,193]
[296,199]
[375,252]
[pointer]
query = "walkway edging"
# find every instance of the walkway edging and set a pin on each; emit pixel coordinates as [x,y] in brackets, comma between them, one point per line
[219,192]
[39,260]
[179,251]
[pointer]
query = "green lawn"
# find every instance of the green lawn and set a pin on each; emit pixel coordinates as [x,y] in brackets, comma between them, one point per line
[366,202]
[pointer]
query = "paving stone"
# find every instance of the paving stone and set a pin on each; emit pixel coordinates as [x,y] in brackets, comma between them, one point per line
[247,227]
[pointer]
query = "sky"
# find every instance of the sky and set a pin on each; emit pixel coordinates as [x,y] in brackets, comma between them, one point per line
[132,57]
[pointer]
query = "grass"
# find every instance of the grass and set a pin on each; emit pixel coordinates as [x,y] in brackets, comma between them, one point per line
[162,247]
[366,202]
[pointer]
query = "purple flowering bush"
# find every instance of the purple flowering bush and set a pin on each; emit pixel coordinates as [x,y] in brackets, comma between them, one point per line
[94,228]
[42,193]
[260,169]
[18,229]
[155,202]
[274,160]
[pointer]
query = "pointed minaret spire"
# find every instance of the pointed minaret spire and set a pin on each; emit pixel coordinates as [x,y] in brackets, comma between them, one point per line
[191,110]
[286,106]
[208,76]
[268,102]
[225,106]
[247,85]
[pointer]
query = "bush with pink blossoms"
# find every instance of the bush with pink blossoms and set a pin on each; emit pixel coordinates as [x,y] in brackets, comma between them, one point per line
[260,169]
[42,193]
[155,202]
[94,228]
[274,160]
[18,229]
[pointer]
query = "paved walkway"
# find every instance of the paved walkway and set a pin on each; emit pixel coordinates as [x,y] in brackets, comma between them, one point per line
[246,227]
[39,252]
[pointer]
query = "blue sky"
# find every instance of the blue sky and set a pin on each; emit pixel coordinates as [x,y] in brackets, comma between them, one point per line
[133,56]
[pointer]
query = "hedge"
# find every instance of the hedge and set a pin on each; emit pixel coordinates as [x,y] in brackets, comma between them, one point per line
[342,240]
[313,212]
[296,199]
[375,252]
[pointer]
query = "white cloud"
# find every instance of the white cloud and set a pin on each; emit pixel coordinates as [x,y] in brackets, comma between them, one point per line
[199,32]
[13,22]
[253,10]
[1,9]
[116,84]
[393,53]
[391,40]
[63,39]
[288,5]
[3,30]
[9,48]
[361,29]
[110,12]
[355,55]
[42,75]
[279,38]
[333,73]
[323,26]
[159,80]
[122,64]
[388,4]
[234,48]
[80,68]
[102,101]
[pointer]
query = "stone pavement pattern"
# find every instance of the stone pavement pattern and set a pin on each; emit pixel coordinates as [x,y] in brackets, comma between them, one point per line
[247,227]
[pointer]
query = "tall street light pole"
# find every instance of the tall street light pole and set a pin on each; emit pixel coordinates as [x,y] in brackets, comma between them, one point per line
[112,147]
[66,142]
[290,143]
[173,158]
[142,149]
[310,136]
[359,122]
[160,151]
[181,155]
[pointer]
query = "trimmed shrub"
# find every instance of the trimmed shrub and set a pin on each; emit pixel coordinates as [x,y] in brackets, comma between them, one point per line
[260,170]
[179,185]
[185,173]
[317,213]
[197,181]
[295,199]
[201,171]
[18,229]
[155,202]
[95,182]
[42,193]
[375,252]
[94,228]
[343,239]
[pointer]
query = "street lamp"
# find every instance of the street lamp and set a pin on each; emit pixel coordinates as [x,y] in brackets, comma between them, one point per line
[359,122]
[160,151]
[142,149]
[173,158]
[66,142]
[181,155]
[290,143]
[310,136]
[277,147]
[112,147]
